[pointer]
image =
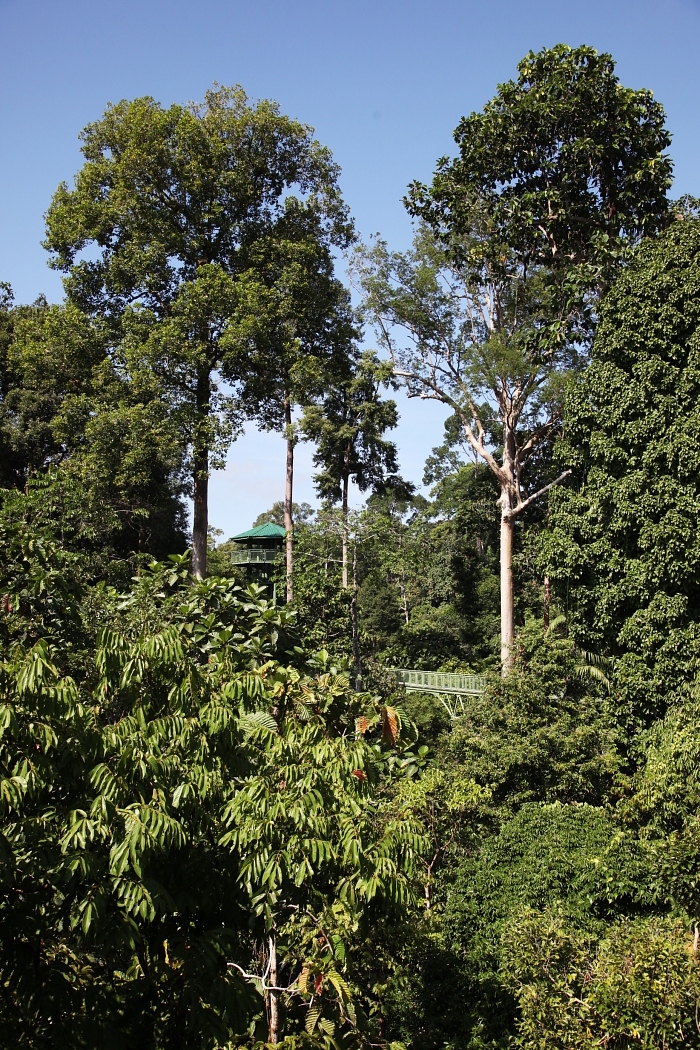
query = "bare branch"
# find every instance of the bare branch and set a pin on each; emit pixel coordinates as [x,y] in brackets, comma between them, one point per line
[535,495]
[261,980]
[538,435]
[438,394]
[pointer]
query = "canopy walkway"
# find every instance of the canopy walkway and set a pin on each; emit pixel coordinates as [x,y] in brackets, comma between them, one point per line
[439,682]
[450,689]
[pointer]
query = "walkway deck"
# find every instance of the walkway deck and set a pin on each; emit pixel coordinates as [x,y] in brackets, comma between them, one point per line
[440,682]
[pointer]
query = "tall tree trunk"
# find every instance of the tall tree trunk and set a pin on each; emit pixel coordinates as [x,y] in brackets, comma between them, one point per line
[274,1025]
[200,525]
[201,515]
[404,596]
[512,505]
[507,613]
[288,492]
[508,501]
[346,480]
[547,602]
[355,621]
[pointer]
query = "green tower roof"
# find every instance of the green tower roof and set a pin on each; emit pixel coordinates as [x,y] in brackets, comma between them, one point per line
[268,531]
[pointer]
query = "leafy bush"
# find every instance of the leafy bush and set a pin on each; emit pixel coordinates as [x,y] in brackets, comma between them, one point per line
[179,815]
[639,986]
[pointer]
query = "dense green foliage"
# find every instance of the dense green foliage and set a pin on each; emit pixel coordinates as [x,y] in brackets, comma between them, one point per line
[174,797]
[425,571]
[566,164]
[66,401]
[624,543]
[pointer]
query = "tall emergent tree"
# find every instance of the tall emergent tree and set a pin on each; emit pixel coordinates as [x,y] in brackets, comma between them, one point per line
[556,178]
[348,427]
[174,206]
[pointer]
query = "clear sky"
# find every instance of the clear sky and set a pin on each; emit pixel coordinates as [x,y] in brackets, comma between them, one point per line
[383,83]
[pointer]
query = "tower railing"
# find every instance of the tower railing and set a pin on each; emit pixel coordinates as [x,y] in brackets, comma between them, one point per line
[255,556]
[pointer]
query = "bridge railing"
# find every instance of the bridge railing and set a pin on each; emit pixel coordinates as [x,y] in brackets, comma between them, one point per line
[440,682]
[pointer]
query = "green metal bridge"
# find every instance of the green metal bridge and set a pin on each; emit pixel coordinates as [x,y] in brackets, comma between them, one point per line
[450,689]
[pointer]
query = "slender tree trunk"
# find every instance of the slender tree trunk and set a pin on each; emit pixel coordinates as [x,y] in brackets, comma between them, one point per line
[354,621]
[345,531]
[288,493]
[404,597]
[507,613]
[200,525]
[547,602]
[508,501]
[427,888]
[274,1026]
[201,515]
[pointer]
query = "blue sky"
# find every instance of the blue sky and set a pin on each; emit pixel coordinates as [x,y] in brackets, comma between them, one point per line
[383,83]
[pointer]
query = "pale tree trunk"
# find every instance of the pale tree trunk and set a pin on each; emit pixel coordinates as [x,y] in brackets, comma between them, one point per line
[404,597]
[547,601]
[345,531]
[511,501]
[508,501]
[507,612]
[355,621]
[511,507]
[200,523]
[288,492]
[274,1021]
